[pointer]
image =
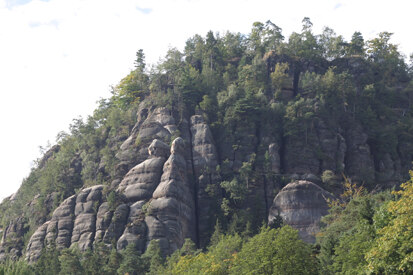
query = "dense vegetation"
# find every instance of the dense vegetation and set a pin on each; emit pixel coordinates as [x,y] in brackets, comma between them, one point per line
[239,83]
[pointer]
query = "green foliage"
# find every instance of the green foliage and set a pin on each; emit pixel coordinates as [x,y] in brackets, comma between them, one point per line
[275,251]
[235,190]
[93,262]
[113,262]
[16,268]
[154,258]
[216,261]
[48,262]
[350,231]
[279,76]
[132,262]
[392,250]
[333,46]
[70,262]
[272,251]
[356,46]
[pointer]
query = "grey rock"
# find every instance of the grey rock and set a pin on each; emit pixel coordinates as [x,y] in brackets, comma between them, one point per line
[171,214]
[36,244]
[87,205]
[204,161]
[11,244]
[103,219]
[135,231]
[117,225]
[152,124]
[301,204]
[140,182]
[273,152]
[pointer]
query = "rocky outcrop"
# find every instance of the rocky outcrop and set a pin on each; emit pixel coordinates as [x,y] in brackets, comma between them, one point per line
[205,161]
[73,222]
[169,193]
[158,203]
[171,215]
[60,226]
[117,224]
[36,243]
[317,150]
[301,204]
[103,219]
[137,187]
[135,230]
[140,182]
[11,244]
[84,228]
[152,123]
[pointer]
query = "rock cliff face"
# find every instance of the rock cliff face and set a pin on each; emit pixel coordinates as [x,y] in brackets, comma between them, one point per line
[159,197]
[72,223]
[172,192]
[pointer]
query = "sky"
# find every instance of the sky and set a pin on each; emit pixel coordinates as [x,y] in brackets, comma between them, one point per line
[59,57]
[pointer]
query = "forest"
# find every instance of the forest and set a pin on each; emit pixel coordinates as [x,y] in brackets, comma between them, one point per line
[308,107]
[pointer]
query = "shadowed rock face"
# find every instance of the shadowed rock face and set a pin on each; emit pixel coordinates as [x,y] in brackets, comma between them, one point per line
[205,161]
[301,204]
[135,230]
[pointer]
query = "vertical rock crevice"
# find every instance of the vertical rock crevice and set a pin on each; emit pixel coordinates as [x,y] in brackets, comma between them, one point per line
[195,180]
[204,163]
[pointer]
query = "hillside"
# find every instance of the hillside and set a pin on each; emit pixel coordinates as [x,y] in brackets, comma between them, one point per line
[237,130]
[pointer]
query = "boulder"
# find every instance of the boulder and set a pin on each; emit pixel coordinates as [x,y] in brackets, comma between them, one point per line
[301,204]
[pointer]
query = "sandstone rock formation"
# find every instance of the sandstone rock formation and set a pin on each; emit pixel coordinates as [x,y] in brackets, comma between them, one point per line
[158,204]
[171,212]
[164,192]
[73,222]
[301,204]
[204,161]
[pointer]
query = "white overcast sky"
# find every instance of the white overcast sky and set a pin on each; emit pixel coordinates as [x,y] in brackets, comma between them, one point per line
[58,57]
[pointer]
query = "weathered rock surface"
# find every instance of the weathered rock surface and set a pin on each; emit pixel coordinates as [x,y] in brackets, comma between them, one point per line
[156,123]
[87,203]
[205,161]
[117,225]
[171,215]
[103,219]
[73,222]
[136,230]
[140,182]
[36,243]
[301,204]
[11,245]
